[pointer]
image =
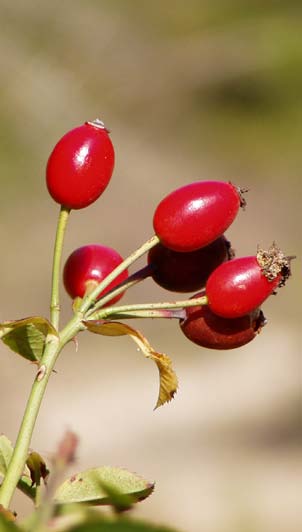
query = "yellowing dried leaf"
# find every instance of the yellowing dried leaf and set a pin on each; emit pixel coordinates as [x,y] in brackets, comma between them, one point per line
[167,378]
[168,382]
[108,328]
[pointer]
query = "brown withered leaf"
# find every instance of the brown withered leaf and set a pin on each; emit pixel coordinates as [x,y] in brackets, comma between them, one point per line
[168,382]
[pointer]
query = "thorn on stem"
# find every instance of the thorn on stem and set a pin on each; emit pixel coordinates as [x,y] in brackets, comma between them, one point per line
[41,372]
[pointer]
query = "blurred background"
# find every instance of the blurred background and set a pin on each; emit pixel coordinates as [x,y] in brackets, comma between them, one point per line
[190,90]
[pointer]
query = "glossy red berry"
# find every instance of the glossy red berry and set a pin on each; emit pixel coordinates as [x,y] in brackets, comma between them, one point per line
[206,329]
[91,263]
[80,165]
[239,286]
[187,272]
[195,215]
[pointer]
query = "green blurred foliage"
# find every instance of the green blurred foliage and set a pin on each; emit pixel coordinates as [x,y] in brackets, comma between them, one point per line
[227,74]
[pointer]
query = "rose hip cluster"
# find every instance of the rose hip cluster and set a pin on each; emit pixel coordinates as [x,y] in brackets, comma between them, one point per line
[190,222]
[191,253]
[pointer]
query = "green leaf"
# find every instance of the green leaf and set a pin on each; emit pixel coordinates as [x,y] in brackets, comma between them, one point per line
[25,483]
[27,337]
[118,500]
[122,525]
[100,487]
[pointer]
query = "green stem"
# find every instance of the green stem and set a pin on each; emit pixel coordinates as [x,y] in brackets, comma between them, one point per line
[104,313]
[55,301]
[178,313]
[53,347]
[89,300]
[19,457]
[61,460]
[133,279]
[38,495]
[74,326]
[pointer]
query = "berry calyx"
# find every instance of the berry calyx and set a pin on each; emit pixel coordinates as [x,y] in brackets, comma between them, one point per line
[195,215]
[89,265]
[206,329]
[187,272]
[241,285]
[80,165]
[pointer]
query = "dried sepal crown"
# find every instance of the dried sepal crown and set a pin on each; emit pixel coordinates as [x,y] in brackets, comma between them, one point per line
[274,263]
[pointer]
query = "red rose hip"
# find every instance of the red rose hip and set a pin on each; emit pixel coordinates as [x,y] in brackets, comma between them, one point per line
[80,165]
[206,329]
[187,272]
[92,263]
[195,215]
[241,285]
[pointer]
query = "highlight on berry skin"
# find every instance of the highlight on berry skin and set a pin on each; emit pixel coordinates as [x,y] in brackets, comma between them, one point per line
[87,266]
[196,214]
[80,166]
[241,285]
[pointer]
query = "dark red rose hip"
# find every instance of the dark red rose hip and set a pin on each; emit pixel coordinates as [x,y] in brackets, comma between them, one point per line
[91,263]
[241,285]
[195,215]
[187,272]
[206,329]
[80,166]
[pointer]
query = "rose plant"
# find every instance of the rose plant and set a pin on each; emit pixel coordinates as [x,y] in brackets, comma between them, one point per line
[188,252]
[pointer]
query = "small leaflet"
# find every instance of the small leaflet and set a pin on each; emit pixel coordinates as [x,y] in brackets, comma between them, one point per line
[27,336]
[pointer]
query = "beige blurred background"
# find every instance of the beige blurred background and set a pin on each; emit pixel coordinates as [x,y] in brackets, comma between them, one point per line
[190,90]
